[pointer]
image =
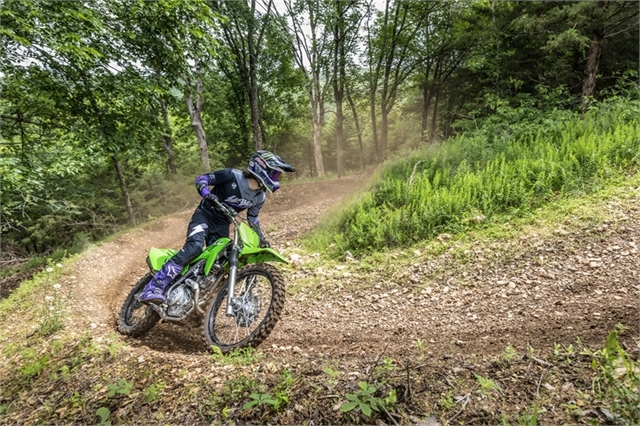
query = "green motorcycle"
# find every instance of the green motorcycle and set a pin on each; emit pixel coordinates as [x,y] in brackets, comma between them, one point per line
[245,295]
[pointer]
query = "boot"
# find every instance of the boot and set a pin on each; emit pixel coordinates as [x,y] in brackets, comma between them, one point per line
[153,292]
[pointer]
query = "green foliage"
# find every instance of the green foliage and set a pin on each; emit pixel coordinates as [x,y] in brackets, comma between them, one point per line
[421,347]
[33,364]
[153,391]
[234,389]
[104,413]
[487,386]
[240,356]
[123,387]
[366,401]
[618,379]
[329,370]
[281,398]
[52,311]
[509,354]
[498,171]
[446,400]
[260,399]
[283,391]
[387,366]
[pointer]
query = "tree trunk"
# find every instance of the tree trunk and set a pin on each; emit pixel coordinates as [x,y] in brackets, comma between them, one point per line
[434,117]
[427,95]
[449,115]
[374,124]
[306,51]
[384,132]
[195,111]
[354,111]
[589,83]
[253,84]
[340,139]
[123,189]
[338,86]
[167,140]
[317,112]
[317,140]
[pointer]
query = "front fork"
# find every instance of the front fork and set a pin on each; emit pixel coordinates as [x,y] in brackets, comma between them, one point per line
[233,269]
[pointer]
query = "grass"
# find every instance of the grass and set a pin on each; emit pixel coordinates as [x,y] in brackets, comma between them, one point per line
[41,282]
[460,252]
[489,176]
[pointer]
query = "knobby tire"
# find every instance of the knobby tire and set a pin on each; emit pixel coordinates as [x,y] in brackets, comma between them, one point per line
[264,328]
[125,323]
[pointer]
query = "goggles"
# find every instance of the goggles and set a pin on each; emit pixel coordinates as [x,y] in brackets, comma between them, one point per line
[274,174]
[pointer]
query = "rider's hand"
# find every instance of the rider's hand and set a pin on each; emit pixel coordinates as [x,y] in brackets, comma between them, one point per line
[264,244]
[211,199]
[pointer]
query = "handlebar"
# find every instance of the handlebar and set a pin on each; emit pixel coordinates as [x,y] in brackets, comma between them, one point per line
[229,212]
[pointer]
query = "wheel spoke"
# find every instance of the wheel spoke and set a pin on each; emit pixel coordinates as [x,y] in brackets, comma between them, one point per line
[252,302]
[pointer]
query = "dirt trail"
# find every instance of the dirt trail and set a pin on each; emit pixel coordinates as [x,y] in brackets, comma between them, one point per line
[105,275]
[536,292]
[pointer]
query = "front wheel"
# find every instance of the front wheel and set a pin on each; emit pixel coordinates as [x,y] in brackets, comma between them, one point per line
[137,318]
[257,304]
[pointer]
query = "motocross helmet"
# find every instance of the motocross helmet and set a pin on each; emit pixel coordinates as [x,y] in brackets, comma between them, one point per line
[266,167]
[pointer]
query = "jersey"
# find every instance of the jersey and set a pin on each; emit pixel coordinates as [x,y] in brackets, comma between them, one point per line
[231,188]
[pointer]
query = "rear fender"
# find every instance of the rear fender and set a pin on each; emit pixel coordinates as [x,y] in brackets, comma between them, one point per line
[158,257]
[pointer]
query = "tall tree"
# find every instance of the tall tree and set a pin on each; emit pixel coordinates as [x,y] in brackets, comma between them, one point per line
[391,55]
[194,90]
[606,19]
[311,47]
[346,23]
[445,41]
[81,54]
[166,38]
[244,32]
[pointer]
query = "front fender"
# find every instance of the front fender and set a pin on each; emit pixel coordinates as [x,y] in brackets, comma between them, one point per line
[259,255]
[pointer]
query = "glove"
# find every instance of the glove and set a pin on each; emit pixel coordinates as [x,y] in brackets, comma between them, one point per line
[211,199]
[264,243]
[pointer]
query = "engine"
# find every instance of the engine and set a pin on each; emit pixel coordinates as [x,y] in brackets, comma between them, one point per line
[179,301]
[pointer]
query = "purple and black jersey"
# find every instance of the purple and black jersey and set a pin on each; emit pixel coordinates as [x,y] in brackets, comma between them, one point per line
[231,188]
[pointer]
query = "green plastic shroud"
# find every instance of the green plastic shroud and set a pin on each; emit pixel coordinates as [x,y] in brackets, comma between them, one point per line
[251,252]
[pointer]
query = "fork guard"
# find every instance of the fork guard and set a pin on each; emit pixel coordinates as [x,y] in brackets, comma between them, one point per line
[259,255]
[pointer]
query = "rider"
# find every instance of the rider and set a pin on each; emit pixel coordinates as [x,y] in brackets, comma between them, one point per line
[239,190]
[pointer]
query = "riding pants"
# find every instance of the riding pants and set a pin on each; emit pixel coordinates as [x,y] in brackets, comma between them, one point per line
[203,227]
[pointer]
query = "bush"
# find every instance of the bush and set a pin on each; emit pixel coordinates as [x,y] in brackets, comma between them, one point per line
[495,170]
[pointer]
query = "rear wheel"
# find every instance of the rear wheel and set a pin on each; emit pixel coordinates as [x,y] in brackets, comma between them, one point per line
[258,301]
[137,318]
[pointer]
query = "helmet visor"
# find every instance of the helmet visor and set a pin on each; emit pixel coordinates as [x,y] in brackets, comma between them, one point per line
[274,175]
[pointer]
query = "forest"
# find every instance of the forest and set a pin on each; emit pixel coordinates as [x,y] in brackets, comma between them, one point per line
[459,243]
[110,108]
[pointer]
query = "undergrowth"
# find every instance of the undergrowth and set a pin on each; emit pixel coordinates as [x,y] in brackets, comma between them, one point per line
[95,380]
[481,177]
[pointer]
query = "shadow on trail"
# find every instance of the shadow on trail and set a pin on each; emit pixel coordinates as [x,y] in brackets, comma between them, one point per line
[172,338]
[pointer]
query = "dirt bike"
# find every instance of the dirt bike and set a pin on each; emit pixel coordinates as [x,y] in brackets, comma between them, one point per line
[245,295]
